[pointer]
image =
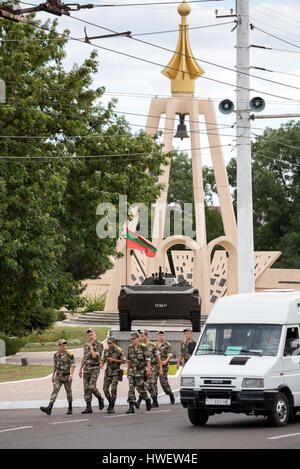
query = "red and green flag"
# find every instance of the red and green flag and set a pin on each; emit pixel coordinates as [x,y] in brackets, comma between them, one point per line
[135,241]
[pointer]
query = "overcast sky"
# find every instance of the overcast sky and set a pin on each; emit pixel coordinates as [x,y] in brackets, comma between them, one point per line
[120,74]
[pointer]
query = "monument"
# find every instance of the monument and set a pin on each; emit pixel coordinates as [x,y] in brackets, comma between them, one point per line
[213,277]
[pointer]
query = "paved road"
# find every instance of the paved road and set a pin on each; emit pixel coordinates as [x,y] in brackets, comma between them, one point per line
[164,428]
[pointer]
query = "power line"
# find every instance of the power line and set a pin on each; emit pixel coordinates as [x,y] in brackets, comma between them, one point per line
[138,4]
[73,157]
[176,30]
[186,55]
[274,36]
[161,65]
[274,49]
[281,15]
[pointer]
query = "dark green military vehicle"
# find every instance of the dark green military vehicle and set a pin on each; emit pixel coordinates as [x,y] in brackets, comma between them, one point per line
[162,296]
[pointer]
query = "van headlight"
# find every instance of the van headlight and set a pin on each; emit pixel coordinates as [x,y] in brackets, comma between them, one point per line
[187,382]
[253,383]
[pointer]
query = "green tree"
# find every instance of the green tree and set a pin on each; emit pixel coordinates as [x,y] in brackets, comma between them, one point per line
[181,191]
[48,201]
[276,192]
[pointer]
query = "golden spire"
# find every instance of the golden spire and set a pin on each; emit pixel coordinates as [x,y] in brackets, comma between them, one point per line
[183,81]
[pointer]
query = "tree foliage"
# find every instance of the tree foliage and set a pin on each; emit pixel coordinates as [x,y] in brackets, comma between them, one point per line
[48,201]
[276,192]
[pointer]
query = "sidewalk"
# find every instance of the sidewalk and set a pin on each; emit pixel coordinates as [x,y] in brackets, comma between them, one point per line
[32,394]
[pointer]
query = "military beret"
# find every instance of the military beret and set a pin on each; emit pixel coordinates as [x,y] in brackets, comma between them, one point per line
[111,340]
[160,332]
[90,330]
[134,335]
[62,342]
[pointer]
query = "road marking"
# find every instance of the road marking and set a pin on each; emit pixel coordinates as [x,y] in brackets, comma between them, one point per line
[67,421]
[119,415]
[13,429]
[156,412]
[283,436]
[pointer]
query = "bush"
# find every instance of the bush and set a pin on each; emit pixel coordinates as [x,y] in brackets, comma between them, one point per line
[12,345]
[39,344]
[42,318]
[94,302]
[60,316]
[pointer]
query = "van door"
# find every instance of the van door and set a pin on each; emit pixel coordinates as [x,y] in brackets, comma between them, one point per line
[291,362]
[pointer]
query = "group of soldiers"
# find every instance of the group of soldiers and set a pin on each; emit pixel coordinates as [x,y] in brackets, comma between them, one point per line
[147,362]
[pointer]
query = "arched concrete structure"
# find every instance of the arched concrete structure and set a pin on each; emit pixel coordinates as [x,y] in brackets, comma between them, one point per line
[231,249]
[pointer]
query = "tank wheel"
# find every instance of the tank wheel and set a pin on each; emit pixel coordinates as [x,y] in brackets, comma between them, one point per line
[125,323]
[195,318]
[279,415]
[198,416]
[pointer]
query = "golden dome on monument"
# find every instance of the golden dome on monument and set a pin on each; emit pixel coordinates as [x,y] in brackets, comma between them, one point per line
[184,9]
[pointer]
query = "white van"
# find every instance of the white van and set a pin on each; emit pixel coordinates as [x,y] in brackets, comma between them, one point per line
[247,359]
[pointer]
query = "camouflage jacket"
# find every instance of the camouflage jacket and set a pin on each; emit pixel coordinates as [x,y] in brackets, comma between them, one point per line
[89,361]
[165,350]
[186,349]
[64,362]
[153,353]
[112,368]
[138,359]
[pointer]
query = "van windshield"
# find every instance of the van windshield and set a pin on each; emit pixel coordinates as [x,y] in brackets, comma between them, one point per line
[240,339]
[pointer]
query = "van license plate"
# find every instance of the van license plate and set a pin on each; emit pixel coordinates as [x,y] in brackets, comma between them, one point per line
[217,401]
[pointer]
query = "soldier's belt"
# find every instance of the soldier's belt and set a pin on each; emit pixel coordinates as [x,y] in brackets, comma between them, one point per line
[63,374]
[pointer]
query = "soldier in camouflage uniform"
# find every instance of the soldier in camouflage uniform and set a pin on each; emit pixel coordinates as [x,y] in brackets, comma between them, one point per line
[186,348]
[138,360]
[64,366]
[165,350]
[113,357]
[156,367]
[90,363]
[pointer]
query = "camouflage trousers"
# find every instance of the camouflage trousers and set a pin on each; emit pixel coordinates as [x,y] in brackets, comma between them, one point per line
[110,386]
[90,376]
[151,382]
[137,382]
[58,382]
[163,379]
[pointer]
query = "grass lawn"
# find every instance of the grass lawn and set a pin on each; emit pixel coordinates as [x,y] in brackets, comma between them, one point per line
[62,332]
[18,372]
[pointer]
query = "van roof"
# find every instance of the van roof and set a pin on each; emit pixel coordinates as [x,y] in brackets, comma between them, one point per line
[268,307]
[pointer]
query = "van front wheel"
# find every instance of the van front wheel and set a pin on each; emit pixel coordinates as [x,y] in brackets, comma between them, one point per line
[198,416]
[279,415]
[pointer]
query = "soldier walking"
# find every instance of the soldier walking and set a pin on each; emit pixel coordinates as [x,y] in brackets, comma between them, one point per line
[63,371]
[113,357]
[165,350]
[187,347]
[138,360]
[156,367]
[90,363]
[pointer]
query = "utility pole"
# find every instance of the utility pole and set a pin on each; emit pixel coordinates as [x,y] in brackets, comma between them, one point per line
[244,174]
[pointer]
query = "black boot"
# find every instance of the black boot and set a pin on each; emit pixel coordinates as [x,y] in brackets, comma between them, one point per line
[70,410]
[155,402]
[131,409]
[48,409]
[172,398]
[88,409]
[112,405]
[110,408]
[138,402]
[101,403]
[148,404]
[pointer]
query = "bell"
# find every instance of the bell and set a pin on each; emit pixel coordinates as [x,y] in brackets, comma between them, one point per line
[181,128]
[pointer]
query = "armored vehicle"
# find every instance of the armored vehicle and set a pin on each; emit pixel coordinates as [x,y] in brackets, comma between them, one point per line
[162,296]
